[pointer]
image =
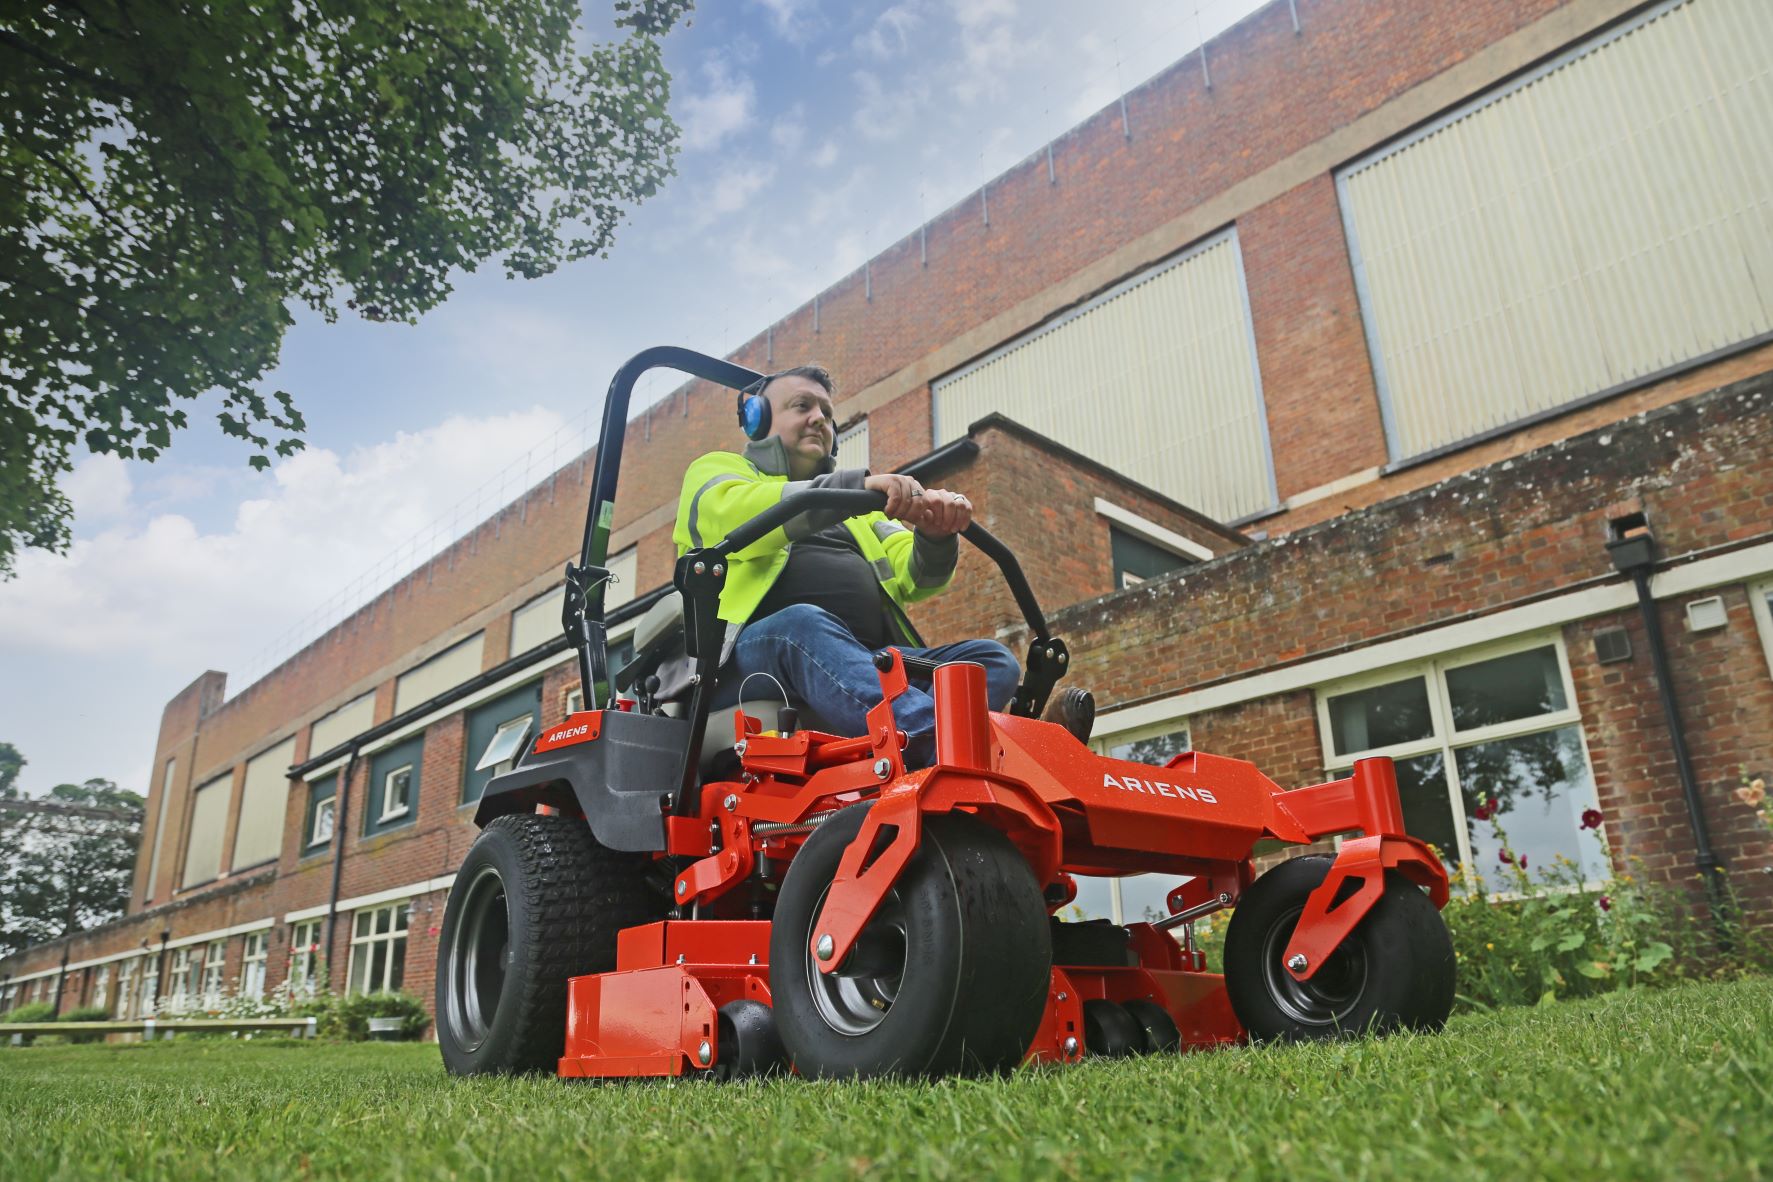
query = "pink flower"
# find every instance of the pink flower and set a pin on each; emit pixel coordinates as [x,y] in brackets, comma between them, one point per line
[1505,857]
[1752,794]
[1591,818]
[1606,902]
[1485,810]
[1523,861]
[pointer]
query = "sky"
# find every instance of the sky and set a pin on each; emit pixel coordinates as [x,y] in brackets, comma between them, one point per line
[815,134]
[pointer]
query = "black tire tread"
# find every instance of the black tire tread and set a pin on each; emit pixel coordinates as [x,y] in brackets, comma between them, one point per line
[579,895]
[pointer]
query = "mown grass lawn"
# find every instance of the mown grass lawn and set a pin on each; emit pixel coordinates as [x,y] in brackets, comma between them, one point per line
[1671,1084]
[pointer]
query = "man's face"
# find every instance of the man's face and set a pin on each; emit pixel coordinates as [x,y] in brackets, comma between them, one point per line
[801,415]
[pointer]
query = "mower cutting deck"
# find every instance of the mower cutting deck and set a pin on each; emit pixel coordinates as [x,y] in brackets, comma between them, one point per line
[645,900]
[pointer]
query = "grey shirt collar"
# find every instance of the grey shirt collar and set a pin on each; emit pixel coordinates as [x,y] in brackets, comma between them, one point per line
[770,456]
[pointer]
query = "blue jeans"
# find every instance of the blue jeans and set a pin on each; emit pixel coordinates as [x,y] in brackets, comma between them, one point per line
[831,675]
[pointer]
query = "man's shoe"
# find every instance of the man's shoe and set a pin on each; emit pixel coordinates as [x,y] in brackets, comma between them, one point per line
[1074,709]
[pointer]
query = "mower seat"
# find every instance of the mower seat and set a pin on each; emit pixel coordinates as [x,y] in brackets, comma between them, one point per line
[659,650]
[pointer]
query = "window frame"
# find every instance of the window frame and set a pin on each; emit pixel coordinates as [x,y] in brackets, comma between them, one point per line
[521,706]
[303,977]
[215,962]
[388,812]
[377,818]
[1760,602]
[255,960]
[1447,740]
[399,932]
[323,791]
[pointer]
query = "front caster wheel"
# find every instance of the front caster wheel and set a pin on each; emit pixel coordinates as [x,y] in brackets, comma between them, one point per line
[1394,971]
[536,901]
[749,1043]
[949,977]
[1161,1034]
[1110,1031]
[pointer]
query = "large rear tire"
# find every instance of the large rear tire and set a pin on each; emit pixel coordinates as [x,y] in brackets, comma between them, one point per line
[950,977]
[536,901]
[1393,972]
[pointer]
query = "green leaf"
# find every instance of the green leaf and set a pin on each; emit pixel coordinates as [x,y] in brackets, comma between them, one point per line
[1594,970]
[1571,942]
[1652,957]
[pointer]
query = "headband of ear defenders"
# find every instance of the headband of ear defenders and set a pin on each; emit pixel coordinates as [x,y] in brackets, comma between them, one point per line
[754,411]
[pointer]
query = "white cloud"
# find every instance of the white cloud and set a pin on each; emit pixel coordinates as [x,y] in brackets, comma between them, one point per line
[887,110]
[132,613]
[731,190]
[826,156]
[99,488]
[891,33]
[788,132]
[724,108]
[795,21]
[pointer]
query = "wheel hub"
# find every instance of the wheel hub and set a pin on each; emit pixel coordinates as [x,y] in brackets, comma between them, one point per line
[479,956]
[854,998]
[1329,995]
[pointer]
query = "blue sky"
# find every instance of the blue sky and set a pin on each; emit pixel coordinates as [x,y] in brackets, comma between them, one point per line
[816,133]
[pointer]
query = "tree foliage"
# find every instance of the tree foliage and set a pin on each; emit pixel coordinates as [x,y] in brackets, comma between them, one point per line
[62,873]
[173,177]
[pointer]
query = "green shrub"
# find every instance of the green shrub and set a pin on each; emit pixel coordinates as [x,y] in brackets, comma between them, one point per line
[347,1017]
[86,1014]
[36,1011]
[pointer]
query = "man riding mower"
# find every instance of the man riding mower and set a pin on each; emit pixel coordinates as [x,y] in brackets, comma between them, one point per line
[655,893]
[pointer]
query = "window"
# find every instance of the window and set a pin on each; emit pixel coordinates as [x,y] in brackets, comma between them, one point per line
[101,988]
[153,884]
[1761,601]
[852,445]
[394,787]
[304,958]
[209,814]
[1551,241]
[378,949]
[184,978]
[332,729]
[497,735]
[322,805]
[148,999]
[264,800]
[1499,726]
[1136,559]
[575,700]
[446,670]
[538,621]
[1155,378]
[252,964]
[215,960]
[127,1001]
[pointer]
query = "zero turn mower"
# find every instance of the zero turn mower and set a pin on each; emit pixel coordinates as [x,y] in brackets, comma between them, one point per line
[676,888]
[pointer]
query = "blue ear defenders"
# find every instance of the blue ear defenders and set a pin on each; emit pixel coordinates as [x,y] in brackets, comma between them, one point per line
[754,412]
[754,409]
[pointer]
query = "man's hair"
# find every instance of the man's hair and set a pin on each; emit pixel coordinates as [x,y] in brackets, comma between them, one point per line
[816,373]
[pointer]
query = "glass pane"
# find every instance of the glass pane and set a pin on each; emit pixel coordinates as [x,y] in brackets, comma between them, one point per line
[1158,749]
[1520,685]
[1540,785]
[400,914]
[1093,900]
[505,743]
[363,921]
[378,965]
[383,916]
[322,822]
[397,963]
[359,969]
[1380,716]
[1145,897]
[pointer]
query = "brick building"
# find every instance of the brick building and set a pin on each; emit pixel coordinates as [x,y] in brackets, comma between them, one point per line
[1310,399]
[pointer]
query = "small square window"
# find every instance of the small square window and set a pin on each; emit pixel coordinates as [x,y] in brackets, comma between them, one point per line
[506,744]
[575,701]
[321,831]
[1381,716]
[397,792]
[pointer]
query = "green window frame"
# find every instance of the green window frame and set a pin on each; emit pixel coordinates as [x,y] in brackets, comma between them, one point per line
[322,798]
[503,719]
[385,767]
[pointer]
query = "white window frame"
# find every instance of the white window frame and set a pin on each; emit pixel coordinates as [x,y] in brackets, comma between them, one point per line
[1443,738]
[399,928]
[520,724]
[182,974]
[1151,531]
[303,979]
[1758,596]
[390,814]
[101,988]
[253,962]
[330,807]
[128,975]
[575,701]
[215,960]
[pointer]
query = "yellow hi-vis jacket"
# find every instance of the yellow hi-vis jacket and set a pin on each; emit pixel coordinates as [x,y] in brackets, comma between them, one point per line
[722,490]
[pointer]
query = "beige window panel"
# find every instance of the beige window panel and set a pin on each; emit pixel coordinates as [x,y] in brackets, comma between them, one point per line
[258,836]
[538,621]
[203,849]
[852,446]
[354,717]
[1605,219]
[153,884]
[446,670]
[1155,378]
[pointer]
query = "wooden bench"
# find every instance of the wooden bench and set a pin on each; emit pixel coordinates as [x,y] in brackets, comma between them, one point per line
[19,1033]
